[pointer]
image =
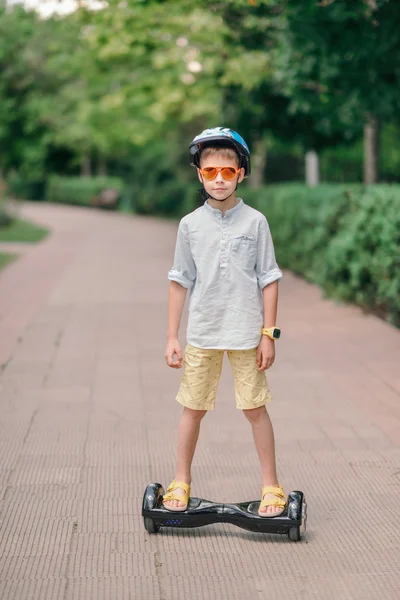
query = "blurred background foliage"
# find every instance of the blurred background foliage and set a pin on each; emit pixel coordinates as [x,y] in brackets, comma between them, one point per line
[109,99]
[122,90]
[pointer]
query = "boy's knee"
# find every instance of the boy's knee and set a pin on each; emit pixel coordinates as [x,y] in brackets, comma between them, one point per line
[195,415]
[254,414]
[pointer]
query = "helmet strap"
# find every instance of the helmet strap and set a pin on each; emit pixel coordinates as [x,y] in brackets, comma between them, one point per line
[205,195]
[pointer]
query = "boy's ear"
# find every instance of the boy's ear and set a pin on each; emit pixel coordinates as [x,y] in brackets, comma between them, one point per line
[241,176]
[199,175]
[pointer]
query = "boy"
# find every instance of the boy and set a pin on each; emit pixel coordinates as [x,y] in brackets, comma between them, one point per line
[224,254]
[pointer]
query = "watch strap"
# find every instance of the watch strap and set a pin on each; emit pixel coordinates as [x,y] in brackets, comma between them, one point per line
[269,331]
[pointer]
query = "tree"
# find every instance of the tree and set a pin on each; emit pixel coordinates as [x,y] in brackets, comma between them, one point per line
[341,66]
[21,137]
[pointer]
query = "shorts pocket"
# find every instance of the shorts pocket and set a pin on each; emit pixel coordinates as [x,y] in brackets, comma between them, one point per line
[244,251]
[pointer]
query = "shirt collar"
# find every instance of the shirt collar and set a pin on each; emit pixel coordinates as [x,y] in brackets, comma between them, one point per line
[217,211]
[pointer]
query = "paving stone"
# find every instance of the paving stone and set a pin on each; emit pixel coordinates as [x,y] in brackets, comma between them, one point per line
[17,568]
[138,587]
[88,417]
[32,589]
[43,536]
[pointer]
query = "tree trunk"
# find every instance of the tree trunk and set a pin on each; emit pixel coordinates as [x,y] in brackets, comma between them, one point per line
[101,166]
[3,186]
[86,166]
[312,168]
[258,164]
[371,149]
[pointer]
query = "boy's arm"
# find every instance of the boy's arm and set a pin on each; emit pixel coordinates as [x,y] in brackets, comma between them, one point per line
[270,300]
[267,270]
[266,349]
[182,277]
[176,302]
[268,274]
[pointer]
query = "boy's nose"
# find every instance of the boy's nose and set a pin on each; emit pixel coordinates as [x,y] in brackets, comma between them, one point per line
[219,178]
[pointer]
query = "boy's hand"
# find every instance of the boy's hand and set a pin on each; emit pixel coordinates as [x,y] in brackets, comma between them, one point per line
[265,353]
[173,354]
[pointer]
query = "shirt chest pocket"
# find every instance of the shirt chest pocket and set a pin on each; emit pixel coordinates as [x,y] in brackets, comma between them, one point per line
[244,251]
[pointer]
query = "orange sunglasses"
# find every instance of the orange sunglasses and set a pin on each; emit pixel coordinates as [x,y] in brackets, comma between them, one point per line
[210,173]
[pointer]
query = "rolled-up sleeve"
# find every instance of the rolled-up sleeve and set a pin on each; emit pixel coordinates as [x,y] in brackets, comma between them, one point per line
[184,269]
[267,269]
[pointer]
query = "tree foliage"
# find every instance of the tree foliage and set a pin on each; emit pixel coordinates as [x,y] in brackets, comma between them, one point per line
[340,61]
[107,85]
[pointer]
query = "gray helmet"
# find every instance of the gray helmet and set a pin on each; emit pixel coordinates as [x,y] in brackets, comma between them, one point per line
[224,137]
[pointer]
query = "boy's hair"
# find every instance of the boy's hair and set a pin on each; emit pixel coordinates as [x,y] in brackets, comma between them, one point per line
[226,152]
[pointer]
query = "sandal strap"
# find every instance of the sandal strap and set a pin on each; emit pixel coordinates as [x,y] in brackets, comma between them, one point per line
[174,485]
[172,496]
[276,502]
[276,490]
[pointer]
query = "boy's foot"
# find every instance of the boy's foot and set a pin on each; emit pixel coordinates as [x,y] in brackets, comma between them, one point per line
[273,501]
[177,496]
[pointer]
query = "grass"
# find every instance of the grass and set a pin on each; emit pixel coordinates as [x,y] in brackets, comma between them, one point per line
[17,230]
[22,231]
[5,259]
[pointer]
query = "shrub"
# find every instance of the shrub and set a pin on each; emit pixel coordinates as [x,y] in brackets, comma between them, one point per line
[104,192]
[18,187]
[346,238]
[5,218]
[363,259]
[170,198]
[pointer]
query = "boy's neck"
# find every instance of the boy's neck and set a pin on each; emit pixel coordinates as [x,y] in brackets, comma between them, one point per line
[227,204]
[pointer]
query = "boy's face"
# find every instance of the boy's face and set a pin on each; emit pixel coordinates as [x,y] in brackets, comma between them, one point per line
[220,188]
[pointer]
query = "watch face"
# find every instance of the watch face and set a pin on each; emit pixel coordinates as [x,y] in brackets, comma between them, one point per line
[277,333]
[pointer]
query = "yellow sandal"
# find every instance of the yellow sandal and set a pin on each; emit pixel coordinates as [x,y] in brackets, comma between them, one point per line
[280,500]
[170,495]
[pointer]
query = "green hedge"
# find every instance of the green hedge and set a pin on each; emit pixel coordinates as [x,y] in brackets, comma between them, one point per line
[5,218]
[85,191]
[346,238]
[172,198]
[19,187]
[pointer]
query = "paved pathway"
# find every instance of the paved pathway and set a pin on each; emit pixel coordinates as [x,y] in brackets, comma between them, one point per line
[88,417]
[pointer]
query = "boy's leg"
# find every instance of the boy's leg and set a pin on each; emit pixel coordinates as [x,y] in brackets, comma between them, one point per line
[252,393]
[202,369]
[189,428]
[263,435]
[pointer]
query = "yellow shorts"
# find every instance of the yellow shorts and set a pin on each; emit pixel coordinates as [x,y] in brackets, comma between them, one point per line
[202,370]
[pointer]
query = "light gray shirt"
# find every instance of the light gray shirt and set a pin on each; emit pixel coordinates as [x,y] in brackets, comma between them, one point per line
[225,262]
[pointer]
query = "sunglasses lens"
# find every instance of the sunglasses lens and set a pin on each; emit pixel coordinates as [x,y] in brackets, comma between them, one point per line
[228,173]
[209,173]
